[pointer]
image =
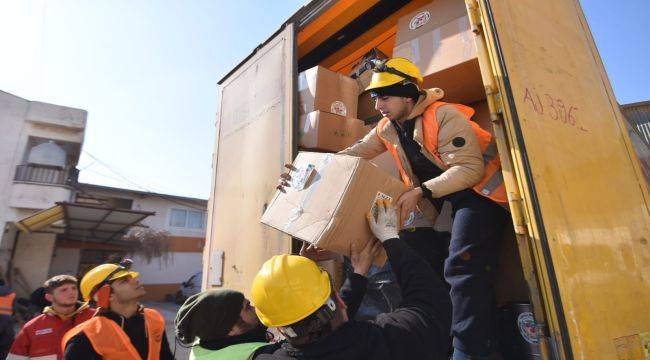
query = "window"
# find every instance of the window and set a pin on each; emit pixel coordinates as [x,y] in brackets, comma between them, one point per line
[192,219]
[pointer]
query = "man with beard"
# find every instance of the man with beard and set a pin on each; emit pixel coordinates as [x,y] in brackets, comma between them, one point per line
[41,336]
[122,329]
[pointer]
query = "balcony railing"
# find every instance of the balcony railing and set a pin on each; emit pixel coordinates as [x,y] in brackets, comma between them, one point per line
[45,174]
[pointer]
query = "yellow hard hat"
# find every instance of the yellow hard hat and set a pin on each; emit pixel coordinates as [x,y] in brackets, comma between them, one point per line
[393,71]
[288,288]
[104,274]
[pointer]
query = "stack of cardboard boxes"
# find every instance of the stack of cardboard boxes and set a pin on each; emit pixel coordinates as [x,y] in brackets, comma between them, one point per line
[328,110]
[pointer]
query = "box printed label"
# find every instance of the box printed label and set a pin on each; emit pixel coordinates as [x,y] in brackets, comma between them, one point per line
[419,20]
[338,108]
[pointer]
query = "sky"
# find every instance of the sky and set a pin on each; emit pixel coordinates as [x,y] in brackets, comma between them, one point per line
[146,72]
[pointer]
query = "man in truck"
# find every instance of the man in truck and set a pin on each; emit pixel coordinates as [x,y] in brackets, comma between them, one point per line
[444,156]
[293,294]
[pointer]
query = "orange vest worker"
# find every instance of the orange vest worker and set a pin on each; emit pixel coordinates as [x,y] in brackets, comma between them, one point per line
[112,343]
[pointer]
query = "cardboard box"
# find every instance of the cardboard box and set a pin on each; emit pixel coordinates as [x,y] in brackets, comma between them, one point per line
[447,58]
[462,83]
[428,18]
[367,111]
[330,210]
[441,48]
[482,115]
[321,130]
[366,104]
[325,90]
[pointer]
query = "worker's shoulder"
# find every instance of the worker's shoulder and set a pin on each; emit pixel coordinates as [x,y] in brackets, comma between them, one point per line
[447,111]
[38,322]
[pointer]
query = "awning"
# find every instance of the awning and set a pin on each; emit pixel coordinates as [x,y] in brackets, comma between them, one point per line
[40,220]
[89,223]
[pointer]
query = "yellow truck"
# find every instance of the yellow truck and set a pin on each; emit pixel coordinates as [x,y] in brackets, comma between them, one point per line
[578,249]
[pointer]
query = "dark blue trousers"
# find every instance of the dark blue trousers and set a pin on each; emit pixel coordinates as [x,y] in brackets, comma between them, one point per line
[477,229]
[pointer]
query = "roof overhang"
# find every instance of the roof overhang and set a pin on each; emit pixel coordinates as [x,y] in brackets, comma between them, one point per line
[86,223]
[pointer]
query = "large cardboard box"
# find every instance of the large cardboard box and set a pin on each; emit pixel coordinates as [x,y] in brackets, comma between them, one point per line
[439,40]
[482,115]
[325,90]
[330,210]
[427,18]
[440,48]
[367,111]
[321,130]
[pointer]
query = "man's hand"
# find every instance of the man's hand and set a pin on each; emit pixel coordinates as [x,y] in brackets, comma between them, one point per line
[361,261]
[408,203]
[385,226]
[285,178]
[314,253]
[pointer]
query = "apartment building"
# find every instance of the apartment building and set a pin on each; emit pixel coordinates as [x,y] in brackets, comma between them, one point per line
[39,150]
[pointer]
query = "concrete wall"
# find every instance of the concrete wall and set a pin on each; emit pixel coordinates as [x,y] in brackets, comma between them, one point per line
[65,261]
[12,115]
[32,259]
[37,196]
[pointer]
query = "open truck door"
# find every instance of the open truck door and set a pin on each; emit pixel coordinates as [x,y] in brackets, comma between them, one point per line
[254,141]
[578,197]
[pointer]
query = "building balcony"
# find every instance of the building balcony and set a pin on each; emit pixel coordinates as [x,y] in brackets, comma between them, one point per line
[40,174]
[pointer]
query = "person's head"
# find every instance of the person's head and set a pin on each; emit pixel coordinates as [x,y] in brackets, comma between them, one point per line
[395,86]
[215,314]
[293,294]
[61,290]
[107,284]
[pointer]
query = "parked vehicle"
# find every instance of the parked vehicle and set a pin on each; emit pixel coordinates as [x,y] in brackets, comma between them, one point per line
[189,287]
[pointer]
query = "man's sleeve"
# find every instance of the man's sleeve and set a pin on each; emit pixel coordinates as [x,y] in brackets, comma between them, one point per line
[20,347]
[353,291]
[165,351]
[460,151]
[80,348]
[367,148]
[424,316]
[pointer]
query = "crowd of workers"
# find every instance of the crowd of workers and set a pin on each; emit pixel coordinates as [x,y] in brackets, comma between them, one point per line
[296,311]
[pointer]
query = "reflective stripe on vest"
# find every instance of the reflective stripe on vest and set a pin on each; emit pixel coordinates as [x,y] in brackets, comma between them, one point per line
[112,343]
[233,352]
[491,185]
[7,304]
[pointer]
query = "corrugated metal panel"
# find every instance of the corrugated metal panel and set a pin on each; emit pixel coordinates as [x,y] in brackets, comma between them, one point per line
[638,114]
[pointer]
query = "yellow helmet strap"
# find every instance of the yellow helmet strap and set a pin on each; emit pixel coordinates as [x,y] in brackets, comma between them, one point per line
[380,66]
[124,265]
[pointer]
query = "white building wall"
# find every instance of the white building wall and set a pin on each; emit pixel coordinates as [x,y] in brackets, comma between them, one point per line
[65,261]
[12,115]
[180,267]
[32,260]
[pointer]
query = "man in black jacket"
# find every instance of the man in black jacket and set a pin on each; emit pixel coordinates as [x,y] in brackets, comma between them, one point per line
[293,295]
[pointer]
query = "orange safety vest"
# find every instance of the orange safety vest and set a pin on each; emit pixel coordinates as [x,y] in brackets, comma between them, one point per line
[7,304]
[112,343]
[491,185]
